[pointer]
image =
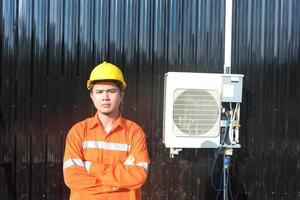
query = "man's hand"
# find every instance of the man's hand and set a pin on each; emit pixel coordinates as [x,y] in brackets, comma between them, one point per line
[87,165]
[130,160]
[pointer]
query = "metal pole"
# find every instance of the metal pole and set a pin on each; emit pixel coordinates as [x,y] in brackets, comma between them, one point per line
[224,177]
[227,70]
[226,165]
[228,37]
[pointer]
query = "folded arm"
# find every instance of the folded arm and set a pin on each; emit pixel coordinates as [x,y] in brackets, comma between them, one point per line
[75,175]
[130,174]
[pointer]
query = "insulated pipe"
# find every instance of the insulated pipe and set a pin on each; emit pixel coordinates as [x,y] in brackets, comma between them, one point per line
[228,33]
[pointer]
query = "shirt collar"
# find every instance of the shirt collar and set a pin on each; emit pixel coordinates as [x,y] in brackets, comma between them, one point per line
[96,122]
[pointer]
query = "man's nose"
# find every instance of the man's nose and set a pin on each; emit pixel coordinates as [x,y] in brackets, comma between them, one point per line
[105,95]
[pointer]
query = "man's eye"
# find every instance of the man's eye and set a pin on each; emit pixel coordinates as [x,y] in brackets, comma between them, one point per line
[112,91]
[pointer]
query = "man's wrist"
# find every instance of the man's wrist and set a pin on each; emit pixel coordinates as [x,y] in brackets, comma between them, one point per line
[95,168]
[87,165]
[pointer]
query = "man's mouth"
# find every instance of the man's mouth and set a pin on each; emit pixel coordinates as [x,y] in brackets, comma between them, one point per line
[106,105]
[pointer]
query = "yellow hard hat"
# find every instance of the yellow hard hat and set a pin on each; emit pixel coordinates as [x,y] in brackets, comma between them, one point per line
[106,71]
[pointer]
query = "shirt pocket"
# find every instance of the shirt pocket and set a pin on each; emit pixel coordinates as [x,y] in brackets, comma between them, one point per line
[93,155]
[120,156]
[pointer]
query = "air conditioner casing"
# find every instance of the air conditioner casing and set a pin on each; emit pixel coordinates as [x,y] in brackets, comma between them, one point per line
[192,107]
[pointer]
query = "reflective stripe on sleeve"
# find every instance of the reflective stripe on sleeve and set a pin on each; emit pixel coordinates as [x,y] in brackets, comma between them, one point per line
[105,146]
[71,162]
[143,164]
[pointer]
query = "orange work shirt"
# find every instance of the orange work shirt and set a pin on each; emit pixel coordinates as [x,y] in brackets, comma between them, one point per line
[94,161]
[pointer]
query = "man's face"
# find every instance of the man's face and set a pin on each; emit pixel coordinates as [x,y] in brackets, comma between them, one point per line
[107,98]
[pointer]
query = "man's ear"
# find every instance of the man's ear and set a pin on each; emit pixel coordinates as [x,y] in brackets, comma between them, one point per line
[122,100]
[122,97]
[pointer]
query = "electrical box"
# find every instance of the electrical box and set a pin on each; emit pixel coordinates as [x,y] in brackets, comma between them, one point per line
[232,87]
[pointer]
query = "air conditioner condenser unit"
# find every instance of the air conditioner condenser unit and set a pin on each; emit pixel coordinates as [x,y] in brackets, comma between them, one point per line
[192,107]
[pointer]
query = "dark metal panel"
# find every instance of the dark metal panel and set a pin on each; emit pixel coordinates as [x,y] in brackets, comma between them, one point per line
[265,51]
[8,99]
[56,124]
[101,30]
[144,64]
[24,96]
[130,55]
[164,170]
[39,102]
[48,49]
[144,74]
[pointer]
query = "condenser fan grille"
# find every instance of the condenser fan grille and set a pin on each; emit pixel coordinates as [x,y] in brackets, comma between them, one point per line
[196,111]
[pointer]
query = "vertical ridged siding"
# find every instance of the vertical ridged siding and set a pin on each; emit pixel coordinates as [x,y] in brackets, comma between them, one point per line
[48,49]
[266,50]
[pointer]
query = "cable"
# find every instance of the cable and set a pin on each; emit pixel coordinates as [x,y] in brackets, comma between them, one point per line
[229,184]
[221,180]
[232,115]
[215,160]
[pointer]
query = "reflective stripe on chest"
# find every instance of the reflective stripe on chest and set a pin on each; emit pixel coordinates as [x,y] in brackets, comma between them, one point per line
[105,146]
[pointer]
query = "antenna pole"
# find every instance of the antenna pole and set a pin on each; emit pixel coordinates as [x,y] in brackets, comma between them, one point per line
[227,151]
[228,37]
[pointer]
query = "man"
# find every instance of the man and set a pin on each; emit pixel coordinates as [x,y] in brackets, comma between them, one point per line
[106,155]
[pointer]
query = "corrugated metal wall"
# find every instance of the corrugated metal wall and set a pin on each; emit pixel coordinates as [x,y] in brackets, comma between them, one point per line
[48,49]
